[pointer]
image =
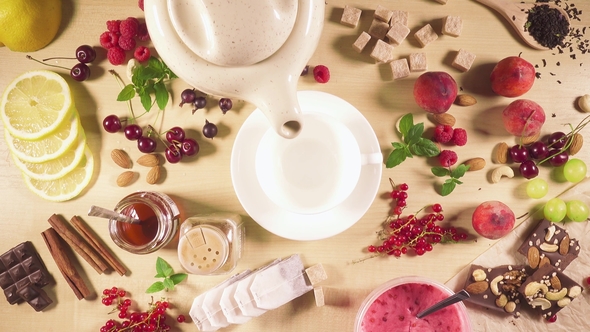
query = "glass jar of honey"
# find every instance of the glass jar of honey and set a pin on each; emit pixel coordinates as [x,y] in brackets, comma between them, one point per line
[159,222]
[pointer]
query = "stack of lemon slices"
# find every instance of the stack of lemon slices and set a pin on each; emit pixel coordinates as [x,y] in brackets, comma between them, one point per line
[43,132]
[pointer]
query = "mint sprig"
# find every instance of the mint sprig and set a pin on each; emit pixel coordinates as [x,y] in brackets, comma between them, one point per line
[413,144]
[148,81]
[455,174]
[164,270]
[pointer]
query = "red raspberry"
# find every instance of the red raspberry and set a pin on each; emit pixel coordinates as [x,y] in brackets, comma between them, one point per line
[127,43]
[116,55]
[142,32]
[141,53]
[128,27]
[459,136]
[443,133]
[447,158]
[109,39]
[321,74]
[113,26]
[140,4]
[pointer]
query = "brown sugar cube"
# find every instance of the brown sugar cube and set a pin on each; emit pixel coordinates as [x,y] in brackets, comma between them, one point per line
[397,33]
[318,293]
[463,60]
[418,62]
[316,274]
[350,16]
[382,52]
[426,35]
[400,68]
[383,14]
[452,26]
[399,16]
[361,42]
[378,29]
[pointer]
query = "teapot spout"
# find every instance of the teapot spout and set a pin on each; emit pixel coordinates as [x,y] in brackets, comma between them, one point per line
[281,107]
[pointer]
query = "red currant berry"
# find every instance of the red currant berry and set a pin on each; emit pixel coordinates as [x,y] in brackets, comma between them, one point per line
[127,302]
[180,318]
[107,301]
[404,186]
[398,210]
[394,194]
[437,208]
[552,319]
[401,202]
[121,293]
[371,248]
[123,314]
[106,291]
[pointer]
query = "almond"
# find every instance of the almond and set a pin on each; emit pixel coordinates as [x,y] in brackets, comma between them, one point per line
[444,119]
[124,179]
[121,158]
[475,164]
[564,245]
[153,175]
[544,261]
[555,282]
[465,100]
[500,154]
[526,140]
[533,257]
[577,142]
[477,287]
[148,160]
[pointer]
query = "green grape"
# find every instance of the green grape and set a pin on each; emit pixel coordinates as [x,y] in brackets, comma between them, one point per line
[574,170]
[577,210]
[555,210]
[537,188]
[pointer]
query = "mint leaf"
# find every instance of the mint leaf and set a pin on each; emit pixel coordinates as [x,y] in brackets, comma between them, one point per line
[161,95]
[395,158]
[406,122]
[168,284]
[178,278]
[459,171]
[425,147]
[146,100]
[161,266]
[127,93]
[398,145]
[440,171]
[448,187]
[155,287]
[414,134]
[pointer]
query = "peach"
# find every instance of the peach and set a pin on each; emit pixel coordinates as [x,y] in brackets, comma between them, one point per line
[435,92]
[512,77]
[493,219]
[523,118]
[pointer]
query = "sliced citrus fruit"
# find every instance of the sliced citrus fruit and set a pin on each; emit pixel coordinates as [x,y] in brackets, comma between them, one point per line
[68,186]
[49,147]
[35,104]
[54,168]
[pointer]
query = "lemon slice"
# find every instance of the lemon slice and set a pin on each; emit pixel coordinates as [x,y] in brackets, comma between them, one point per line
[35,104]
[68,186]
[49,147]
[55,168]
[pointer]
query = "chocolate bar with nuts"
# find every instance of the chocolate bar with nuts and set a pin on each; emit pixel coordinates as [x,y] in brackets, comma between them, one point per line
[549,244]
[497,288]
[549,290]
[22,276]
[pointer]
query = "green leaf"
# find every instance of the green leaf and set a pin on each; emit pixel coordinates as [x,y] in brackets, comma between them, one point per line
[425,147]
[126,93]
[146,100]
[395,158]
[148,73]
[161,95]
[414,134]
[168,284]
[162,266]
[448,188]
[459,171]
[178,278]
[155,63]
[406,122]
[155,287]
[440,171]
[398,145]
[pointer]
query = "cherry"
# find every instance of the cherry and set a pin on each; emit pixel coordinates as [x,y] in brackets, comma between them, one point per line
[173,154]
[80,72]
[189,147]
[85,54]
[559,158]
[225,104]
[175,134]
[209,129]
[557,140]
[146,144]
[111,123]
[519,153]
[133,132]
[529,169]
[538,150]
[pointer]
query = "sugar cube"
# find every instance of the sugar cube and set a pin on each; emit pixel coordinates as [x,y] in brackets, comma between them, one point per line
[399,16]
[382,52]
[350,16]
[463,60]
[316,274]
[383,14]
[452,26]
[400,68]
[378,29]
[318,293]
[397,33]
[418,62]
[362,41]
[426,35]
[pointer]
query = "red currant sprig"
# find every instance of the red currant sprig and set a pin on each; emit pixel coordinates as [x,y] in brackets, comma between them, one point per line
[399,194]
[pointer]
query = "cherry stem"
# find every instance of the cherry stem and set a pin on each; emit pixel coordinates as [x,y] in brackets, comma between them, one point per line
[570,138]
[46,64]
[122,85]
[58,58]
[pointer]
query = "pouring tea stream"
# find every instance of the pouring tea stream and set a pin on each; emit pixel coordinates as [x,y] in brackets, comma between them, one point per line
[275,40]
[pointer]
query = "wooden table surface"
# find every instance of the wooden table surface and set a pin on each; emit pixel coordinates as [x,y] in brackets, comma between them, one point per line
[203,184]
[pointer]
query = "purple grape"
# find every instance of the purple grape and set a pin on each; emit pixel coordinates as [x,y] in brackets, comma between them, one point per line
[133,132]
[557,140]
[187,96]
[519,153]
[538,150]
[80,72]
[173,154]
[529,169]
[111,123]
[559,158]
[225,104]
[209,129]
[200,102]
[85,53]
[189,147]
[146,144]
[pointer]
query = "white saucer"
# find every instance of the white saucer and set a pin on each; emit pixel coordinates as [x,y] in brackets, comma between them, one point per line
[292,225]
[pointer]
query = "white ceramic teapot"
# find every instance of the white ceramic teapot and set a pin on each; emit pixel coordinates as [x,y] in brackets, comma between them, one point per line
[252,50]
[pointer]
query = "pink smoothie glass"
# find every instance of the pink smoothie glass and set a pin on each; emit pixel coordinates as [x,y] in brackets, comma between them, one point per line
[393,306]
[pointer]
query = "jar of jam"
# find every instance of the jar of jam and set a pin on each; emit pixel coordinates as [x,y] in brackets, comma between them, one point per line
[159,222]
[211,244]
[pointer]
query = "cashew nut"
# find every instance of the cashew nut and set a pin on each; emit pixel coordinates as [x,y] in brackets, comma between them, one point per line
[534,287]
[541,302]
[494,285]
[584,103]
[556,296]
[501,171]
[574,291]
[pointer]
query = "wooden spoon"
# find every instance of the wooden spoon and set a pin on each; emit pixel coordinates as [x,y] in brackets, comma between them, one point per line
[516,13]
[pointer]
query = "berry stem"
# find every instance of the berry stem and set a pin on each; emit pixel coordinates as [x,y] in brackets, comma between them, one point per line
[122,85]
[58,58]
[46,64]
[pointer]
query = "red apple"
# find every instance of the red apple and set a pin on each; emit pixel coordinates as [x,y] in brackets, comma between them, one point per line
[523,118]
[512,77]
[493,219]
[435,92]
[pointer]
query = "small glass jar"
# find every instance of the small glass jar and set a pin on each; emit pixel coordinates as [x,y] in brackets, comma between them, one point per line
[211,244]
[159,217]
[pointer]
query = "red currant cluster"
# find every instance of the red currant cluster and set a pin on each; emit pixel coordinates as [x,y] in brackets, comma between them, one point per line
[154,319]
[554,150]
[401,235]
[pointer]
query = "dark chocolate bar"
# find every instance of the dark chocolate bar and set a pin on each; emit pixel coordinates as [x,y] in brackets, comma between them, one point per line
[549,244]
[497,288]
[549,290]
[22,276]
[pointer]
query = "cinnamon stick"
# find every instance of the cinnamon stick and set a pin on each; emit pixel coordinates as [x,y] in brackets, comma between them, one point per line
[77,243]
[65,266]
[100,248]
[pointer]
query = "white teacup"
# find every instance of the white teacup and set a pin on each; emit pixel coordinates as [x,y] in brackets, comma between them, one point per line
[313,172]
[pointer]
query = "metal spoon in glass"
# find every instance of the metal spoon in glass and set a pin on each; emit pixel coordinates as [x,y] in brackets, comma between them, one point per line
[96,211]
[459,296]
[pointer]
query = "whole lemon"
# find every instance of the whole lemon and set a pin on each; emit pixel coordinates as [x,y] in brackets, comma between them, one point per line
[28,25]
